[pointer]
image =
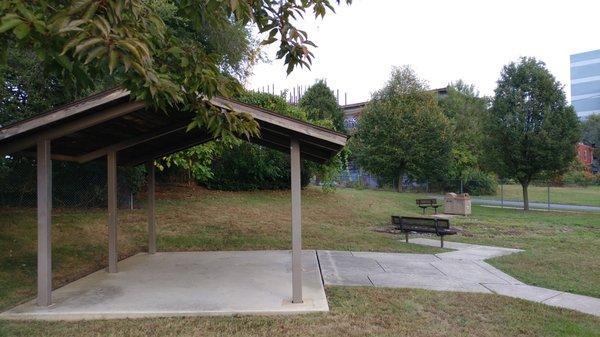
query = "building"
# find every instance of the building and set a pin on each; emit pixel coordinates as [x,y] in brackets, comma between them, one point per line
[353,111]
[585,154]
[585,83]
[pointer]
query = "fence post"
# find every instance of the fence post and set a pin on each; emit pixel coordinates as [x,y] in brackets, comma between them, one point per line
[548,195]
[501,194]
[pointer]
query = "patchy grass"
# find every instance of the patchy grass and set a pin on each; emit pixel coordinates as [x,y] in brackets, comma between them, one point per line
[354,312]
[190,219]
[589,196]
[562,251]
[561,248]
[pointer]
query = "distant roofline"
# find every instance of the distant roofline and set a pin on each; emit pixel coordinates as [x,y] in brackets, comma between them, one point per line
[577,57]
[356,105]
[585,142]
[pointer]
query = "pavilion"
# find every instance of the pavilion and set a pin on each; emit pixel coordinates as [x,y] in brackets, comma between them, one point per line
[111,126]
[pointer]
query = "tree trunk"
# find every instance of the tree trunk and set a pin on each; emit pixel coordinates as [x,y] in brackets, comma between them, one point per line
[400,182]
[525,196]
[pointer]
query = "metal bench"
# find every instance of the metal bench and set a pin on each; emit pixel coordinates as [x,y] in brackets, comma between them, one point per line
[424,203]
[439,227]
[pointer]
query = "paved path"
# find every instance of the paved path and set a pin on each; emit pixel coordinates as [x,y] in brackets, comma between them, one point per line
[536,205]
[461,270]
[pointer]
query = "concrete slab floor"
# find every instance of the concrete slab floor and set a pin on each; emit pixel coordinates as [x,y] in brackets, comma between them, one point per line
[186,284]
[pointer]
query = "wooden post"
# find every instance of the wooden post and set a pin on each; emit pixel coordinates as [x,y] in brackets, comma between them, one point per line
[111,161]
[296,223]
[44,219]
[151,208]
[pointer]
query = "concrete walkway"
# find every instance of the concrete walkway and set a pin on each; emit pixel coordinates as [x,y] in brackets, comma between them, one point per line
[536,205]
[532,205]
[461,270]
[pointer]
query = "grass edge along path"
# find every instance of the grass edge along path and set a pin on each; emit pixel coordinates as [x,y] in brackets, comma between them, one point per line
[354,311]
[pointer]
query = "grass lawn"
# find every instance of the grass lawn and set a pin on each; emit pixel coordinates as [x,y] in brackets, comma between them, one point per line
[589,196]
[562,252]
[354,312]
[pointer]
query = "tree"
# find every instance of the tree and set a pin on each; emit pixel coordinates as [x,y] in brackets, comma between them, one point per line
[28,88]
[129,42]
[25,90]
[465,111]
[239,165]
[403,131]
[320,103]
[530,128]
[591,131]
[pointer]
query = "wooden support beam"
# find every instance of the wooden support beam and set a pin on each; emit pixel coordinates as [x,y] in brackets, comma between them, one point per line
[54,156]
[296,223]
[111,179]
[289,123]
[151,207]
[44,220]
[72,127]
[305,140]
[167,150]
[67,111]
[286,149]
[131,142]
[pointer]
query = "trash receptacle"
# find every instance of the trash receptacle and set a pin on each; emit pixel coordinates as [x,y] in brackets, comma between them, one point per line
[457,204]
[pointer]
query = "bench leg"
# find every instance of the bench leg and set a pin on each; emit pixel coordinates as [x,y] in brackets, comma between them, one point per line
[423,208]
[435,210]
[442,241]
[406,235]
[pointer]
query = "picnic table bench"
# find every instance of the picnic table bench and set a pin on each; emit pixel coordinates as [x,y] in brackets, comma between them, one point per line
[424,203]
[439,227]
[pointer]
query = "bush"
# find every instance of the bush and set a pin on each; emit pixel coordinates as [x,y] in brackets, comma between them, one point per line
[238,165]
[579,177]
[251,167]
[479,183]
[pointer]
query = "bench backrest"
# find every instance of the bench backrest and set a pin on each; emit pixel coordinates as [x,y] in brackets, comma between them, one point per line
[419,224]
[424,202]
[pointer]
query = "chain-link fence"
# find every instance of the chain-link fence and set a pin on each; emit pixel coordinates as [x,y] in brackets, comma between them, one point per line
[73,185]
[544,194]
[499,192]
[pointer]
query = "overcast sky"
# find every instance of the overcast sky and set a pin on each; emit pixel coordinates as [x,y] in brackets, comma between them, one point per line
[442,40]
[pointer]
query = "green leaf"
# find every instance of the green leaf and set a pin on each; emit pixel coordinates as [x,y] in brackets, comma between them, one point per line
[64,61]
[87,44]
[72,43]
[112,61]
[9,24]
[71,26]
[96,52]
[21,30]
[79,6]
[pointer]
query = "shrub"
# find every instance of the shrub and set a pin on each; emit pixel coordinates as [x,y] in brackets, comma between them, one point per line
[477,182]
[251,167]
[579,177]
[239,165]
